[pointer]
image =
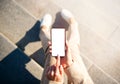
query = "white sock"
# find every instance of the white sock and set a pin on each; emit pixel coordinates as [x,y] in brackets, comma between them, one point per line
[46,20]
[66,14]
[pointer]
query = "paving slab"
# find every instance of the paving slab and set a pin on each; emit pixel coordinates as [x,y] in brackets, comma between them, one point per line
[100,26]
[19,24]
[100,52]
[88,63]
[88,14]
[39,7]
[15,66]
[20,27]
[5,45]
[15,22]
[100,77]
[114,37]
[110,8]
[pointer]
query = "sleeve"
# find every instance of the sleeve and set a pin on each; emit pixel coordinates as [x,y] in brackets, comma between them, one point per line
[74,75]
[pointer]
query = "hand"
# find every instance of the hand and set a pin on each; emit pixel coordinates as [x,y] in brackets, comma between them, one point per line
[67,60]
[55,72]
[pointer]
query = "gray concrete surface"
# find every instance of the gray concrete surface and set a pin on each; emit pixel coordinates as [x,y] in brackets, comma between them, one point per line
[15,66]
[98,27]
[99,31]
[20,27]
[5,45]
[100,77]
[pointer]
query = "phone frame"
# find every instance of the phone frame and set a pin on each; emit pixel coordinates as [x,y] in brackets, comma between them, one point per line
[58,37]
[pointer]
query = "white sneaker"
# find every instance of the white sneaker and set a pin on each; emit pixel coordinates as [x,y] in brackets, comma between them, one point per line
[67,15]
[46,20]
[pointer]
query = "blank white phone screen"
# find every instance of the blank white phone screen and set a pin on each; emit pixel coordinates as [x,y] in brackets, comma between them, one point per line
[58,42]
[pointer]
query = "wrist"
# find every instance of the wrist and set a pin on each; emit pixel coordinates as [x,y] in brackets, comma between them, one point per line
[68,64]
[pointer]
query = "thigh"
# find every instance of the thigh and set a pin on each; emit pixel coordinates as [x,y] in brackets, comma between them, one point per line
[73,34]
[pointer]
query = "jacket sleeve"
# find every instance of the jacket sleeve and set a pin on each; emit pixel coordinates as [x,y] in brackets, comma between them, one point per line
[76,76]
[73,73]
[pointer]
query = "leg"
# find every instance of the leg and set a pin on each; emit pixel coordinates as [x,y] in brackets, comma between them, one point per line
[45,37]
[73,32]
[45,30]
[74,41]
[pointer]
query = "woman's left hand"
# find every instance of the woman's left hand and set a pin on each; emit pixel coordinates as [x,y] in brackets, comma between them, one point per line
[55,72]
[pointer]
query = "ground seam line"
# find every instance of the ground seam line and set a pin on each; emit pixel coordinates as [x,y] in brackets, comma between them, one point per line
[100,69]
[24,9]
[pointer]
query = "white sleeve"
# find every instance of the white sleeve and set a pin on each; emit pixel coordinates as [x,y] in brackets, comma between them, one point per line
[73,73]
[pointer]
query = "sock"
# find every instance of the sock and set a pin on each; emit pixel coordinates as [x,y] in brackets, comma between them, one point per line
[46,20]
[66,15]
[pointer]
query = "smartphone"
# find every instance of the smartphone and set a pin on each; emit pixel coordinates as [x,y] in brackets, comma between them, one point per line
[58,41]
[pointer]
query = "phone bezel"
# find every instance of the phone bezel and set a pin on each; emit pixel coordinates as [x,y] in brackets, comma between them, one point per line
[64,38]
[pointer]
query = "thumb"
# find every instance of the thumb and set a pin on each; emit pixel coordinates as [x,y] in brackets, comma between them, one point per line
[57,65]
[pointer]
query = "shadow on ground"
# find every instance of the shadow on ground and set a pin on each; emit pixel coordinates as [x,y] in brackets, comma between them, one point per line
[32,35]
[13,69]
[39,57]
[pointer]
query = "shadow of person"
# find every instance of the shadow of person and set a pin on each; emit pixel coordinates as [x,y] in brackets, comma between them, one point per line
[39,57]
[13,69]
[31,36]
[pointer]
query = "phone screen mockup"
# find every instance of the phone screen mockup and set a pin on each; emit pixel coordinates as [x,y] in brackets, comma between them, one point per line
[58,41]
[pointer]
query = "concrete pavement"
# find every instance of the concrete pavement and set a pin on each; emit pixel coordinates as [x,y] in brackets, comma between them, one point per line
[98,27]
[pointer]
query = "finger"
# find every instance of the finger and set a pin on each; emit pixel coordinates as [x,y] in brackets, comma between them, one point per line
[58,61]
[48,73]
[57,65]
[49,43]
[52,71]
[61,70]
[50,47]
[50,51]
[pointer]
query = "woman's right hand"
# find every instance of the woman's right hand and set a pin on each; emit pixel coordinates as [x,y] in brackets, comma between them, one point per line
[55,72]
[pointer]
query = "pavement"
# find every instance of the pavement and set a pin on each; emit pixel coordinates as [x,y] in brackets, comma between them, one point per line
[21,53]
